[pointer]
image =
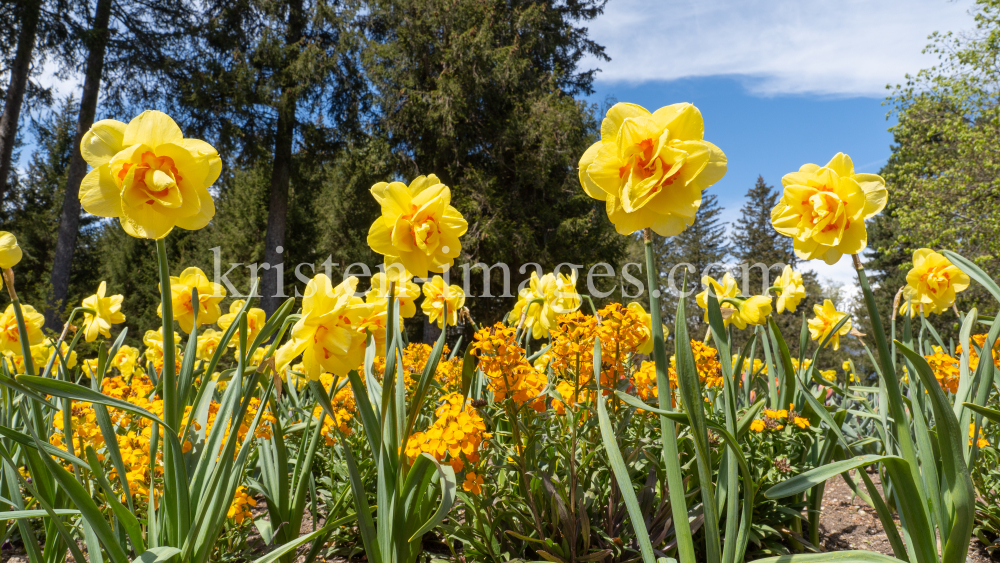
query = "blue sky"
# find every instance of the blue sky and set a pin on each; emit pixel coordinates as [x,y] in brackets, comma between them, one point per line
[779,82]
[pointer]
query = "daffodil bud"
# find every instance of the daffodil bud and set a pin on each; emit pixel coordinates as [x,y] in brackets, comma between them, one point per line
[10,252]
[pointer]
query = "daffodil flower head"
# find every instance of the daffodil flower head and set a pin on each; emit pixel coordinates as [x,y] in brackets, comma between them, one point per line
[256,318]
[650,169]
[10,336]
[791,290]
[437,293]
[406,292]
[932,283]
[107,312]
[824,209]
[327,336]
[726,288]
[210,294]
[148,175]
[418,225]
[827,317]
[545,298]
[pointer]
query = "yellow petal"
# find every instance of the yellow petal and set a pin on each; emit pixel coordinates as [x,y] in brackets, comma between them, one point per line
[152,128]
[205,152]
[99,194]
[589,186]
[204,214]
[102,141]
[616,116]
[841,164]
[683,121]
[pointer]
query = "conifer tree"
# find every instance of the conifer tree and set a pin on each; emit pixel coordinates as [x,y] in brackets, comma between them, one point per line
[754,240]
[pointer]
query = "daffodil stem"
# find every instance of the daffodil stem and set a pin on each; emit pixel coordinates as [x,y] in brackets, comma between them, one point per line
[167,375]
[22,331]
[671,456]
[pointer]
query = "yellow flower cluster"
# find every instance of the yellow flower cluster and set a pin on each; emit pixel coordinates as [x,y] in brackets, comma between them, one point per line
[706,361]
[239,509]
[775,420]
[980,340]
[509,373]
[458,434]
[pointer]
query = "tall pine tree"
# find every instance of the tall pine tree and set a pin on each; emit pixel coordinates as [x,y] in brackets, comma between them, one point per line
[754,241]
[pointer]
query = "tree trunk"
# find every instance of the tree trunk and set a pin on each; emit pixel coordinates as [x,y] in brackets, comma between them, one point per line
[272,290]
[15,91]
[69,221]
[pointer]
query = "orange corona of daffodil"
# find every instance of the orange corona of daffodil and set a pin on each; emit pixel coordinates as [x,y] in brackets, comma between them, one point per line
[932,283]
[107,312]
[210,294]
[148,175]
[554,294]
[827,317]
[436,294]
[418,226]
[791,290]
[650,168]
[327,334]
[824,209]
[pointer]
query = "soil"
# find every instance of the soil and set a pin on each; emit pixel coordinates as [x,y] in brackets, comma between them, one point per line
[847,522]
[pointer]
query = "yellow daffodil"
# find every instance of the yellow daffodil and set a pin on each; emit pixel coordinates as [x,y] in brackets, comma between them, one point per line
[255,321]
[406,292]
[791,290]
[209,296]
[932,283]
[554,295]
[148,175]
[827,317]
[153,339]
[10,252]
[125,360]
[752,311]
[651,168]
[10,337]
[436,294]
[375,321]
[42,353]
[208,343]
[327,336]
[107,312]
[722,290]
[824,209]
[418,225]
[646,345]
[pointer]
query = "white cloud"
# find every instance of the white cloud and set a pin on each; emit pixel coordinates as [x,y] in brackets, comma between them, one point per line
[826,47]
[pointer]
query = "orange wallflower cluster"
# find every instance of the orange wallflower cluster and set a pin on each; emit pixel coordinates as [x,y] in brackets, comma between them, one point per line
[509,373]
[775,420]
[573,344]
[135,432]
[980,442]
[239,509]
[414,359]
[565,390]
[706,361]
[945,369]
[457,434]
[344,407]
[622,332]
[980,340]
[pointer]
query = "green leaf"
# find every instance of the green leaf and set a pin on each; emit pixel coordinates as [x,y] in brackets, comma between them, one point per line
[832,557]
[813,477]
[618,465]
[77,392]
[157,555]
[448,487]
[974,272]
[993,415]
[21,514]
